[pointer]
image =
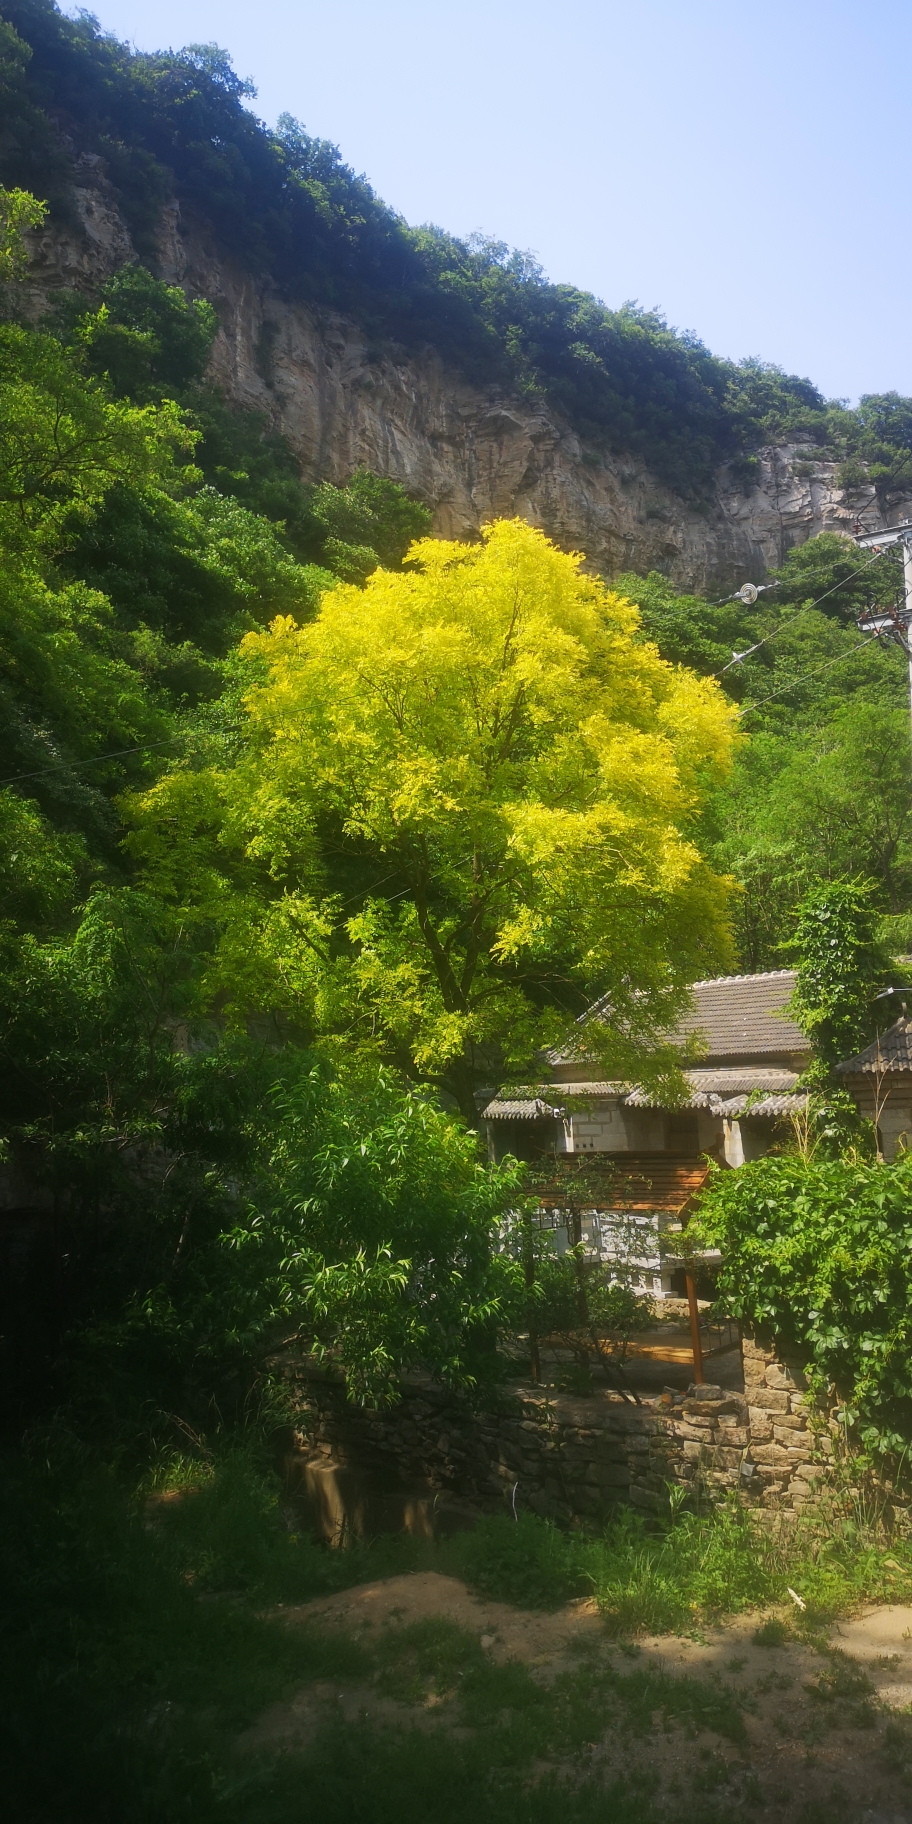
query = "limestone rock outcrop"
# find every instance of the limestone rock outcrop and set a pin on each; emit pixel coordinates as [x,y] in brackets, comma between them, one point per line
[471,451]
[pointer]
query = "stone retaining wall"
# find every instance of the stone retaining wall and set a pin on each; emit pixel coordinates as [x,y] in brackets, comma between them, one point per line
[572,1459]
[788,1458]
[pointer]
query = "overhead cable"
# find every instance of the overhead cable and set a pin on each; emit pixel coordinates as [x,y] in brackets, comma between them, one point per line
[74,766]
[817,672]
[738,657]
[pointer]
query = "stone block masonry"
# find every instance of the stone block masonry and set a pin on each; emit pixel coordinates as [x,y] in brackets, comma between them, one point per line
[788,1458]
[573,1459]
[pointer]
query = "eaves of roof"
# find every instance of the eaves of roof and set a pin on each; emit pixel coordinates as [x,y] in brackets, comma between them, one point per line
[720,1092]
[532,1108]
[892,1051]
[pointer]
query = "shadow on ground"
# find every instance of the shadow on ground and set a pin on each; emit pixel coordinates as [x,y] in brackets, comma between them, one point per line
[744,1720]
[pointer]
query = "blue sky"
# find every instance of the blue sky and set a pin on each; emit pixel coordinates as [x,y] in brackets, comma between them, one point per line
[742,166]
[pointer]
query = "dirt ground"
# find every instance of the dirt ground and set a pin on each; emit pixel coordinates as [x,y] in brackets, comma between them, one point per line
[827,1724]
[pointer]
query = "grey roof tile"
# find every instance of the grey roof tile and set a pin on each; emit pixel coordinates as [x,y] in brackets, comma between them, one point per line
[892,1051]
[739,1080]
[767,1107]
[509,1108]
[738,1015]
[709,1086]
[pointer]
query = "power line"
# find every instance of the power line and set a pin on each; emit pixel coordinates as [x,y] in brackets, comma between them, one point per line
[817,672]
[74,766]
[897,623]
[739,657]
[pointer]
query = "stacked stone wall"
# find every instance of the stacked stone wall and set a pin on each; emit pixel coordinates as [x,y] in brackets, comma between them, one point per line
[573,1459]
[790,1448]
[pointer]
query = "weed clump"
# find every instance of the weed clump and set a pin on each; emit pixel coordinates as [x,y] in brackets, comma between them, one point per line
[526,1561]
[771,1633]
[671,1573]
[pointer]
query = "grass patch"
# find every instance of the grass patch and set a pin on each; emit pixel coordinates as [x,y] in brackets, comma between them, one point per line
[120,1679]
[428,1659]
[672,1575]
[524,1561]
[671,1578]
[388,1777]
[141,1636]
[538,1717]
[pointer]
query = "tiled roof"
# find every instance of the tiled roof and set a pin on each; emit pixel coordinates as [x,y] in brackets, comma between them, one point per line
[740,1081]
[718,1090]
[627,1181]
[892,1051]
[734,1015]
[532,1108]
[721,1091]
[767,1107]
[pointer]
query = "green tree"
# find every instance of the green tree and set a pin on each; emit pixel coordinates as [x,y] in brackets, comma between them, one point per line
[73,684]
[830,569]
[374,1236]
[64,442]
[822,803]
[688,630]
[18,211]
[146,338]
[841,967]
[200,569]
[820,788]
[369,522]
[219,1199]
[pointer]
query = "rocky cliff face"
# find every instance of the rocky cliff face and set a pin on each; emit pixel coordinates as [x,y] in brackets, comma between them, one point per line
[472,452]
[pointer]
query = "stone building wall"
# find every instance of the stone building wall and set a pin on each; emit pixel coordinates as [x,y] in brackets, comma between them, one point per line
[564,1457]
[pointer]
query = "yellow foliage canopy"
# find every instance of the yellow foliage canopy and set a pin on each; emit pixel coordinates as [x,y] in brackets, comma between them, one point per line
[488,740]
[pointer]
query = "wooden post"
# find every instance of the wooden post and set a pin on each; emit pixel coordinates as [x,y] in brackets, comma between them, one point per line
[695,1342]
[529,1276]
[575,1225]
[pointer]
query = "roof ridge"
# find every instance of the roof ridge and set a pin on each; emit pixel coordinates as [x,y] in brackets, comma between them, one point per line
[760,975]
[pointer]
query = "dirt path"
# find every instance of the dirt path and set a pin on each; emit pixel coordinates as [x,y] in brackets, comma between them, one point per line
[760,1724]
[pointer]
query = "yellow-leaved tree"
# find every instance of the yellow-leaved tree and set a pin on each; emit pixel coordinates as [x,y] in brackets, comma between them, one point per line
[463,810]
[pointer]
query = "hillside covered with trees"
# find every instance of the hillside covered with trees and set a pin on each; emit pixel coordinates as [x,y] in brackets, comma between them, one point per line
[288,811]
[287,205]
[282,816]
[313,829]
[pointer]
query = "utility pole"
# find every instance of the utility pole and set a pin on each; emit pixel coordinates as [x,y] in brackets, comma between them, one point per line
[894,623]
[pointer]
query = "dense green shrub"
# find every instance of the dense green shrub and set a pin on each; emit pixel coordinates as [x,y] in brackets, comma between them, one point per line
[820,1252]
